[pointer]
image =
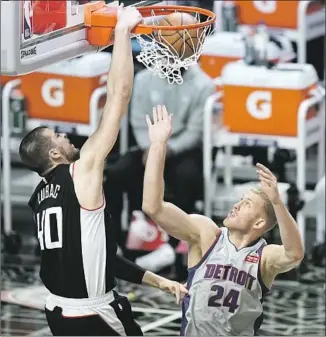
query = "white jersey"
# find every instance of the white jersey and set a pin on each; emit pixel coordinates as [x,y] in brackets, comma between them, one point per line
[225,291]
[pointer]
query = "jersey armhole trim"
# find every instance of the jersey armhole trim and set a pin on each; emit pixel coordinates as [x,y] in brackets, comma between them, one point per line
[72,170]
[205,256]
[264,288]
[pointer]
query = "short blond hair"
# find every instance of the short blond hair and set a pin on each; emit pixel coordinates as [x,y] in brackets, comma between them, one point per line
[268,209]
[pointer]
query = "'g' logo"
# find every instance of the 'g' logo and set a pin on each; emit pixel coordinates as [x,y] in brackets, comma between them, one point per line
[52,93]
[267,7]
[259,104]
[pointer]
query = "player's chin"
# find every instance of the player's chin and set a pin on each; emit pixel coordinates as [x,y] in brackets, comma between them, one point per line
[230,222]
[227,222]
[74,154]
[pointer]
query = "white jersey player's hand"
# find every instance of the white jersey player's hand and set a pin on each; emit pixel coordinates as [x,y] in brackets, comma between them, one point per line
[268,183]
[128,17]
[160,130]
[175,288]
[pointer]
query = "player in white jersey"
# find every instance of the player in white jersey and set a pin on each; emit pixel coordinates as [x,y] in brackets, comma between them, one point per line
[230,268]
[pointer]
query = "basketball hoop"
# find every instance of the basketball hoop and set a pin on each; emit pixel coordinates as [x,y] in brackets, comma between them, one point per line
[157,54]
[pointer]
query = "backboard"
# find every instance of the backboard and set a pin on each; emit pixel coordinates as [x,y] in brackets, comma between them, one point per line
[38,33]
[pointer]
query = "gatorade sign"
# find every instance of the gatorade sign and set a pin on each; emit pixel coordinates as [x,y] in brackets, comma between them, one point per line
[273,12]
[259,104]
[61,98]
[266,111]
[52,92]
[263,101]
[266,7]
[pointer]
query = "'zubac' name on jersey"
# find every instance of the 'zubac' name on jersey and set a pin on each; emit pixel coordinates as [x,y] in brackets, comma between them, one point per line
[227,272]
[49,191]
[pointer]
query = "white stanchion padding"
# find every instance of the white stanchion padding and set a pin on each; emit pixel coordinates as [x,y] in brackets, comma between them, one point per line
[6,168]
[320,208]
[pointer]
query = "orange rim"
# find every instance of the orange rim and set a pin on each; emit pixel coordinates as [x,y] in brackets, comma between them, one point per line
[149,11]
[101,20]
[169,9]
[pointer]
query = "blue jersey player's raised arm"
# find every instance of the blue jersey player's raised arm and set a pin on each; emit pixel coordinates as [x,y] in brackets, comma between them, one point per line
[230,268]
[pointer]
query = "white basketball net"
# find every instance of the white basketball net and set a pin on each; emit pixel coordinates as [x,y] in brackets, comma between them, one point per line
[163,59]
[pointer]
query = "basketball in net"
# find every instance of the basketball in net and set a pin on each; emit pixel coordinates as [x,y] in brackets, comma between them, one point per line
[176,40]
[170,38]
[181,43]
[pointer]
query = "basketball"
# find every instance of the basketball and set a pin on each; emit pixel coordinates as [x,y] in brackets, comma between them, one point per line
[182,43]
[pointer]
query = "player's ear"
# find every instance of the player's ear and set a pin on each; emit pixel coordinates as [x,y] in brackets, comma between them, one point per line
[260,223]
[54,154]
